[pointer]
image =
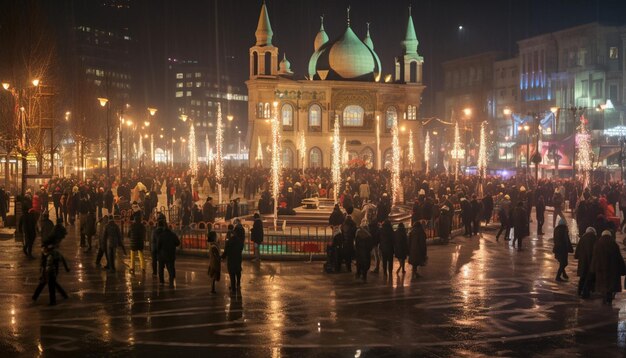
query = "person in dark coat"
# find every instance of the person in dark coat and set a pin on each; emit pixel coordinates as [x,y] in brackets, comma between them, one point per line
[336,217]
[167,242]
[476,213]
[505,219]
[89,228]
[336,249]
[233,253]
[50,260]
[137,235]
[30,231]
[57,235]
[417,247]
[113,238]
[256,236]
[208,211]
[363,248]
[45,227]
[466,216]
[520,224]
[374,231]
[584,254]
[540,208]
[386,247]
[400,246]
[562,248]
[348,229]
[445,223]
[487,208]
[102,242]
[607,264]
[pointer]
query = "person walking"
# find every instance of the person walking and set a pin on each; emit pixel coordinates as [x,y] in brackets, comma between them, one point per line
[584,255]
[233,253]
[348,229]
[386,247]
[505,219]
[520,224]
[215,260]
[607,264]
[113,238]
[256,236]
[363,248]
[467,217]
[540,211]
[167,242]
[208,210]
[558,202]
[50,259]
[137,235]
[102,242]
[400,246]
[417,247]
[45,227]
[30,231]
[476,213]
[562,248]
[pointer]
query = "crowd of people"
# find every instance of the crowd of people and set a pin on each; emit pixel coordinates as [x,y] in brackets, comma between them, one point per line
[363,231]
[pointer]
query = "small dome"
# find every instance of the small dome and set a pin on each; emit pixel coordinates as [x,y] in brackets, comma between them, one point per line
[284,66]
[346,58]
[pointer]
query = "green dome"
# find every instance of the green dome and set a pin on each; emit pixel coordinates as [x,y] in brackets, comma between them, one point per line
[346,58]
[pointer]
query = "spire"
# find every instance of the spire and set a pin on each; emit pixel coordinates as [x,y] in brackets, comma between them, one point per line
[409,44]
[321,38]
[264,29]
[368,40]
[348,15]
[285,66]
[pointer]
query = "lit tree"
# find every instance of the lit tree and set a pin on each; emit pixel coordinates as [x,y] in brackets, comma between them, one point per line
[395,164]
[427,152]
[583,141]
[482,152]
[219,143]
[411,155]
[336,161]
[276,161]
[193,155]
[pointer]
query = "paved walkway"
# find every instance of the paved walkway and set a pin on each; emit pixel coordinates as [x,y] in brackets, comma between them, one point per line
[476,296]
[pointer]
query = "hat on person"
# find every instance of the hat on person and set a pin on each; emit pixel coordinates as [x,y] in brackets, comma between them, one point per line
[591,229]
[522,188]
[606,233]
[507,197]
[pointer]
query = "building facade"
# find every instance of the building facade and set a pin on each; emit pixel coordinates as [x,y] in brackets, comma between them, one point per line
[344,83]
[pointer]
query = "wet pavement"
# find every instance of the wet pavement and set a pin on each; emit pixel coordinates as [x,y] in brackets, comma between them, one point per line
[475,297]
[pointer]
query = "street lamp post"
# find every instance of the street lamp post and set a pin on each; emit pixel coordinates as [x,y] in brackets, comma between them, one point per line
[103,103]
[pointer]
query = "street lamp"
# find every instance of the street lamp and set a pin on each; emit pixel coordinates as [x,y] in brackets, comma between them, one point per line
[526,128]
[183,117]
[36,82]
[103,102]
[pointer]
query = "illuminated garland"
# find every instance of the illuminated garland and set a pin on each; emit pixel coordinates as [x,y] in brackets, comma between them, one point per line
[427,152]
[395,165]
[336,163]
[302,148]
[207,149]
[583,156]
[457,151]
[276,162]
[219,143]
[482,152]
[259,150]
[411,155]
[344,154]
[193,158]
[152,147]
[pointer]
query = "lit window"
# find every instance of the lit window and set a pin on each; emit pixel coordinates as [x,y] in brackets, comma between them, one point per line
[267,113]
[198,84]
[179,93]
[287,115]
[189,84]
[188,93]
[179,75]
[353,116]
[315,116]
[179,85]
[391,116]
[188,75]
[198,74]
[613,53]
[315,158]
[411,112]
[259,110]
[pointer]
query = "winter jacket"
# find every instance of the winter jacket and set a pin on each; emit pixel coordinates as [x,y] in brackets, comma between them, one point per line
[417,245]
[167,242]
[136,235]
[256,233]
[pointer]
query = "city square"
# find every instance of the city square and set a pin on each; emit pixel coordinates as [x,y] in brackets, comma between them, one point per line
[313,178]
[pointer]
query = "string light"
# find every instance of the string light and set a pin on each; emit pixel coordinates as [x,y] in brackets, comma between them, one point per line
[583,141]
[193,158]
[140,145]
[302,148]
[276,163]
[344,154]
[482,152]
[395,165]
[219,142]
[152,147]
[457,151]
[259,150]
[426,152]
[207,149]
[411,155]
[336,164]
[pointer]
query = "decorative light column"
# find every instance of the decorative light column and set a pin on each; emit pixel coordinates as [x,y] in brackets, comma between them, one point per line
[411,154]
[207,149]
[302,149]
[395,165]
[219,142]
[336,161]
[259,151]
[427,152]
[583,156]
[193,157]
[276,162]
[344,154]
[482,153]
[456,150]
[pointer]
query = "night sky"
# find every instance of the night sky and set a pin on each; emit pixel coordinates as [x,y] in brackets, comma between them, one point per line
[187,29]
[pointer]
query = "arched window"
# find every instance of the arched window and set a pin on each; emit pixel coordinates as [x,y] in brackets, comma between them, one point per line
[287,157]
[287,115]
[315,158]
[268,63]
[390,116]
[388,158]
[267,113]
[367,155]
[315,117]
[413,72]
[255,65]
[353,116]
[411,112]
[259,111]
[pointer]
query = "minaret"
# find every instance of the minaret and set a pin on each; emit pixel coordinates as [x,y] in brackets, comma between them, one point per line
[321,38]
[263,55]
[368,40]
[284,68]
[409,65]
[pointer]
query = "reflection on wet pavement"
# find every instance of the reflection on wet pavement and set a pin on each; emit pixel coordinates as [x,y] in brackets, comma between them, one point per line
[475,297]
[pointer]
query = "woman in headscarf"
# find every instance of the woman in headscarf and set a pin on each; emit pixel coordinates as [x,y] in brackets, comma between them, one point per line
[584,254]
[608,266]
[386,247]
[400,246]
[417,247]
